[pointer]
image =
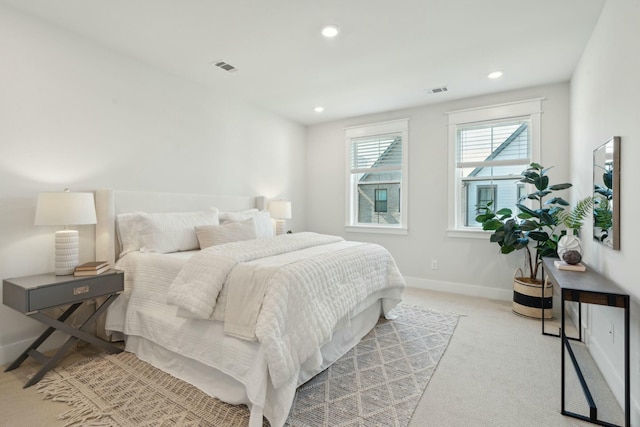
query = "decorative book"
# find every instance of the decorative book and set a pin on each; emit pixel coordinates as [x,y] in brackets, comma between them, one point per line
[561,265]
[91,268]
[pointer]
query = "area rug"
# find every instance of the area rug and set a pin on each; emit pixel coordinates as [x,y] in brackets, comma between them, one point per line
[379,382]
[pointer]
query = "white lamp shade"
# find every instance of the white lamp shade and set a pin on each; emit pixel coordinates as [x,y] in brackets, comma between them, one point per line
[65,208]
[280,209]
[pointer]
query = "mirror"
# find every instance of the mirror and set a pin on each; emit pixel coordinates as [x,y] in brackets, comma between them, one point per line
[606,193]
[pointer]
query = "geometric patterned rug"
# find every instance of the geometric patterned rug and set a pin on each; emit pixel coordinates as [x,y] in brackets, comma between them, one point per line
[378,382]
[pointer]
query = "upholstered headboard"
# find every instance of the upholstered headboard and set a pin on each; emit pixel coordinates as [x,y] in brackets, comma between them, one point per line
[110,203]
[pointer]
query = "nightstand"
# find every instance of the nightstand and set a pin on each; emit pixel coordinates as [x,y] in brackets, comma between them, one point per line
[31,294]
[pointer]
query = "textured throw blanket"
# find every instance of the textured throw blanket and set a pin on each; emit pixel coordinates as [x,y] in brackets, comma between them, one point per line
[196,288]
[289,292]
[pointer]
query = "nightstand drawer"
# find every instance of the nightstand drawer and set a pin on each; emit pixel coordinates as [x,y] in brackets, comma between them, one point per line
[29,294]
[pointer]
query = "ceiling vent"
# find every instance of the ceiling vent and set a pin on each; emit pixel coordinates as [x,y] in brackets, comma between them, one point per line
[441,89]
[227,67]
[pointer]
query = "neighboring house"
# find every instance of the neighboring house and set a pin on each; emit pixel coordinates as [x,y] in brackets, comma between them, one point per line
[504,191]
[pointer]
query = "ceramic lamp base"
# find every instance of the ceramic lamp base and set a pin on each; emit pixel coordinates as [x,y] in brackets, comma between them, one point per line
[67,252]
[281,224]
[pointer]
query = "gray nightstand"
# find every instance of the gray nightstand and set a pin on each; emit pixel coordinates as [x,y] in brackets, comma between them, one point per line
[30,294]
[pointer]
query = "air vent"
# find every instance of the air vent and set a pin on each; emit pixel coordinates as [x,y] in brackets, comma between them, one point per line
[438,89]
[227,67]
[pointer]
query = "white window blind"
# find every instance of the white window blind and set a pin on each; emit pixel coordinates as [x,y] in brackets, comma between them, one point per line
[488,144]
[376,154]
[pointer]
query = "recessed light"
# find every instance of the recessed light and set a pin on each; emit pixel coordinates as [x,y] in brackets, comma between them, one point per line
[495,75]
[330,31]
[318,109]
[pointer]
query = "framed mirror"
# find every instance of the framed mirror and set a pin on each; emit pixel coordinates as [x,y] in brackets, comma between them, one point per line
[606,193]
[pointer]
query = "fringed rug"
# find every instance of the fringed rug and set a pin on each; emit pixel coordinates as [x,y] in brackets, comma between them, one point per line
[379,382]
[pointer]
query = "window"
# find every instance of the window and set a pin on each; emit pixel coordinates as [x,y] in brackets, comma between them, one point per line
[381,200]
[377,160]
[488,149]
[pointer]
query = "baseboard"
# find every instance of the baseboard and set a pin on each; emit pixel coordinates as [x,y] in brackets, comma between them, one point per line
[11,351]
[460,288]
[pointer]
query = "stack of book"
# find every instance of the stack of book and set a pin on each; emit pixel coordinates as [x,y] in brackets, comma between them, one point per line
[91,268]
[561,265]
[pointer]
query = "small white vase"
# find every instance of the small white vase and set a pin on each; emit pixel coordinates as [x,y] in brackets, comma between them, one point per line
[569,243]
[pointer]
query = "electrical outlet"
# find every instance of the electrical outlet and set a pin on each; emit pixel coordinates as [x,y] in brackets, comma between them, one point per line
[434,264]
[612,333]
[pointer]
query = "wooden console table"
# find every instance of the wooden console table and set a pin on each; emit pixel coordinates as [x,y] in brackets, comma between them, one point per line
[588,287]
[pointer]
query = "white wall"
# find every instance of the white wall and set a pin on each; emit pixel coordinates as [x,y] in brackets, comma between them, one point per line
[466,265]
[604,102]
[74,114]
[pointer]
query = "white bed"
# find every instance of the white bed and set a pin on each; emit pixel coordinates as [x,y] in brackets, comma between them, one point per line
[260,362]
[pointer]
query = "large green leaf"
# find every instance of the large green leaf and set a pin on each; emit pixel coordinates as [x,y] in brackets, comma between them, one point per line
[542,182]
[485,217]
[507,249]
[526,210]
[539,236]
[521,243]
[497,237]
[607,178]
[537,166]
[504,211]
[528,225]
[492,224]
[557,187]
[547,252]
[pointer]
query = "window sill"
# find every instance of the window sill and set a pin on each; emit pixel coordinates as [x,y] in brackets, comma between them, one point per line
[375,229]
[469,233]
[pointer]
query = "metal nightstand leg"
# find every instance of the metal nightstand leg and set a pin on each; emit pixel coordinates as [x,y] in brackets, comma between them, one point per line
[76,334]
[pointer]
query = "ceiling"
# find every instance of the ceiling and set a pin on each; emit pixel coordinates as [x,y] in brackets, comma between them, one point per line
[389,53]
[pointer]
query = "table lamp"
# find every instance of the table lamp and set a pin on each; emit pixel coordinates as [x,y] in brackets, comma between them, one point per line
[66,208]
[280,210]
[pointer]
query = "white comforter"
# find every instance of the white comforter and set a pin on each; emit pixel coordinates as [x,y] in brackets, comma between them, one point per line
[142,312]
[290,303]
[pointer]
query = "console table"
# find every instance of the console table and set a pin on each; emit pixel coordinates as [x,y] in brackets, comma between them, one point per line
[588,287]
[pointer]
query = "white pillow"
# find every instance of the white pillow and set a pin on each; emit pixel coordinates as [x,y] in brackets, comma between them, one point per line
[237,216]
[264,224]
[210,235]
[173,231]
[128,228]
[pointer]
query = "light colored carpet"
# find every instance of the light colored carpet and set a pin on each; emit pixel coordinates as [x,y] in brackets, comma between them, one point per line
[498,371]
[379,382]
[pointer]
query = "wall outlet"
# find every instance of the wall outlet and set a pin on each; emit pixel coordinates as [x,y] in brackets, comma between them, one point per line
[611,333]
[434,264]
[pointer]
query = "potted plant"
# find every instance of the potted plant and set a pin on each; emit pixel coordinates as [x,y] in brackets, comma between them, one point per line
[537,225]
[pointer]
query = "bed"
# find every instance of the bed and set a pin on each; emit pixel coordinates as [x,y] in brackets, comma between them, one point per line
[250,316]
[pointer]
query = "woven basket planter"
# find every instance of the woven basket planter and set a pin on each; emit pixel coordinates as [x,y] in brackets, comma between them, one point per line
[527,299]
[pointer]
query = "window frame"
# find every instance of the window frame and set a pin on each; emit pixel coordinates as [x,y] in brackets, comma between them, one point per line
[532,109]
[401,127]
